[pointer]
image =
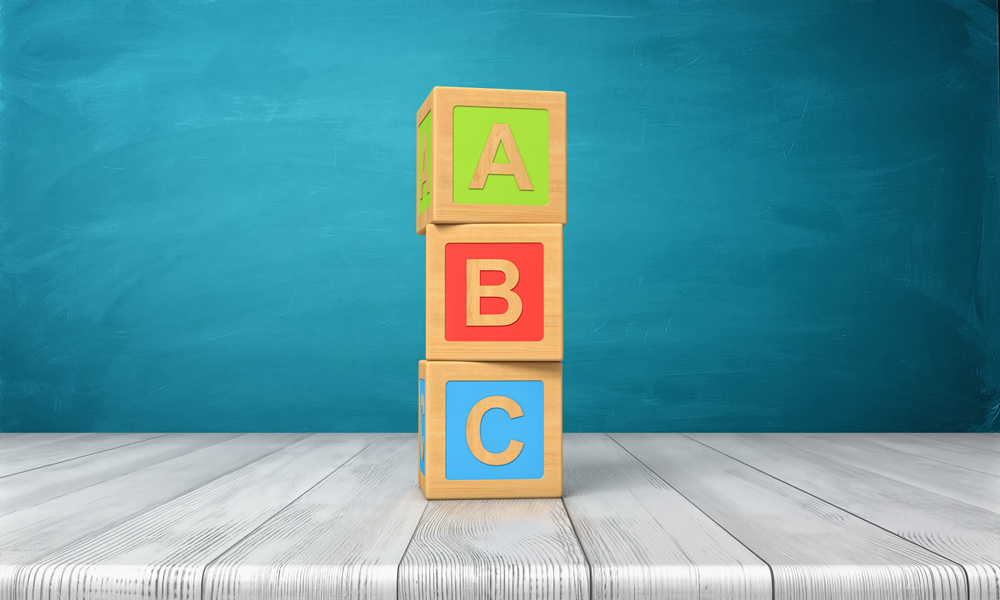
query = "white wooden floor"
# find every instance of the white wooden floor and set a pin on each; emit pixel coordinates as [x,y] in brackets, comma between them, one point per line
[672,516]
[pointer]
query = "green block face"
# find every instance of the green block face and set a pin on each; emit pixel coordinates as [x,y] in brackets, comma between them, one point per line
[424,155]
[476,132]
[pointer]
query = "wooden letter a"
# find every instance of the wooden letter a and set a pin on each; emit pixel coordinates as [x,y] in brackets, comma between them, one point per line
[515,166]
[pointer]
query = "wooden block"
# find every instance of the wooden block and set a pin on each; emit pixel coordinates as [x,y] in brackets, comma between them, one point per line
[494,292]
[468,450]
[491,156]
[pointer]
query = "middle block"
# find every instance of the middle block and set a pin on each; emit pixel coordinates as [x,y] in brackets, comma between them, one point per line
[494,292]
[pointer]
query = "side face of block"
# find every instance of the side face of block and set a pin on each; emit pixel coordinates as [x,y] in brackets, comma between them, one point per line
[491,156]
[490,430]
[494,292]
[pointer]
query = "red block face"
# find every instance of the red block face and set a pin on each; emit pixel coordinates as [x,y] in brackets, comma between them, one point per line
[494,292]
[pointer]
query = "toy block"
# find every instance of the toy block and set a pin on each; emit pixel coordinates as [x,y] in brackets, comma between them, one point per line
[494,292]
[491,156]
[490,430]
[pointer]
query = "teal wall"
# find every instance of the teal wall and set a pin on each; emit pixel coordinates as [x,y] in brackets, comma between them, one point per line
[782,216]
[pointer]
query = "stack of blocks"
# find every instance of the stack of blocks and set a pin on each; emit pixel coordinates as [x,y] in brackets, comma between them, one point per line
[491,199]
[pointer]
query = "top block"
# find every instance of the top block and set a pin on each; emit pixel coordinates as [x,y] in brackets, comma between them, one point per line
[491,156]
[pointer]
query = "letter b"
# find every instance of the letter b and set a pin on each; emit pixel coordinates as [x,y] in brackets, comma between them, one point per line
[476,291]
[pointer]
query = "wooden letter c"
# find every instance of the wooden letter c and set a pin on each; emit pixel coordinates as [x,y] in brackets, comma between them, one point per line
[475,422]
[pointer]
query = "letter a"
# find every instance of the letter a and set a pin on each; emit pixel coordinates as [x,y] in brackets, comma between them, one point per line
[515,166]
[475,291]
[424,177]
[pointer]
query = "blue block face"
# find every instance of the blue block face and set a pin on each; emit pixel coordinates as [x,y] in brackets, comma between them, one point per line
[422,434]
[497,430]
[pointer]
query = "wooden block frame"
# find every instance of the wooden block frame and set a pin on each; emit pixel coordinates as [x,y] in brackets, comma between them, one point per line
[549,347]
[441,104]
[436,375]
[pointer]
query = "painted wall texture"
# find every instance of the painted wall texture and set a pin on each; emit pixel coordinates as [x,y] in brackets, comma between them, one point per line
[782,216]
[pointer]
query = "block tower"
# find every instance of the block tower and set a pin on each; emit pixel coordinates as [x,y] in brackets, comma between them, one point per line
[491,200]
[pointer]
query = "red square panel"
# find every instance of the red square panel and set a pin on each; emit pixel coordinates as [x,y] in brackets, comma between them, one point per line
[524,261]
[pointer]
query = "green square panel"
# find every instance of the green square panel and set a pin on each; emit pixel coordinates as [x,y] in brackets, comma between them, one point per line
[527,129]
[424,154]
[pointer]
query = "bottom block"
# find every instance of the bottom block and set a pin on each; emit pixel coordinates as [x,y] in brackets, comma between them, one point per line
[490,430]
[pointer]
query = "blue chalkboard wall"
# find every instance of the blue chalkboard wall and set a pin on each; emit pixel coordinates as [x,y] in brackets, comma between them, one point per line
[783,215]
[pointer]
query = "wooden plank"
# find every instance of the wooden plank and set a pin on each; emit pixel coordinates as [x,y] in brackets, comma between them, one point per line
[342,539]
[965,534]
[163,553]
[34,487]
[982,441]
[959,456]
[643,539]
[495,549]
[35,457]
[815,550]
[16,441]
[964,485]
[34,532]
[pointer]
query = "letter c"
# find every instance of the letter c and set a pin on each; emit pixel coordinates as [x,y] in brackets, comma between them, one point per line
[475,422]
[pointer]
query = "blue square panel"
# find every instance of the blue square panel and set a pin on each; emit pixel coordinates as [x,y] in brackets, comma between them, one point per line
[518,440]
[422,412]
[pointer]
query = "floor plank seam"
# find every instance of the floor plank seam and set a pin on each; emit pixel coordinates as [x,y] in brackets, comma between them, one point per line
[708,516]
[965,573]
[924,437]
[895,476]
[163,460]
[209,564]
[413,534]
[583,551]
[146,510]
[59,462]
[924,457]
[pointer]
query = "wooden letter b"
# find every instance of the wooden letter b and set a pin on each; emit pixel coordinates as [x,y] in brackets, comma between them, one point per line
[476,291]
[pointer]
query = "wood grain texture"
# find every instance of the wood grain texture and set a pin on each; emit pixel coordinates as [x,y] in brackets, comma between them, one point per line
[945,452]
[436,375]
[32,533]
[34,457]
[495,549]
[704,516]
[642,539]
[35,487]
[964,485]
[980,441]
[550,347]
[965,534]
[342,539]
[163,553]
[442,102]
[10,442]
[815,550]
